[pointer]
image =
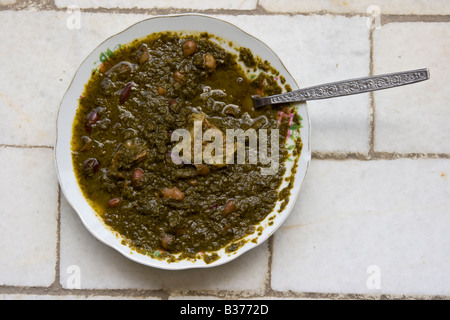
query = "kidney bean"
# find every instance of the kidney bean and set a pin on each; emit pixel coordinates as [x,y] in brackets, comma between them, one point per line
[173,193]
[178,77]
[202,169]
[125,94]
[166,241]
[114,202]
[162,91]
[137,177]
[210,62]
[228,208]
[189,48]
[91,119]
[91,166]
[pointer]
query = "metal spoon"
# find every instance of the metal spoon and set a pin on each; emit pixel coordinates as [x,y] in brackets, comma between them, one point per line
[346,87]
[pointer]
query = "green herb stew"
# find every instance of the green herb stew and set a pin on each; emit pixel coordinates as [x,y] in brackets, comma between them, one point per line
[123,145]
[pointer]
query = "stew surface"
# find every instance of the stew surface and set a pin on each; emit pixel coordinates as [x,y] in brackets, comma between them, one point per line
[123,141]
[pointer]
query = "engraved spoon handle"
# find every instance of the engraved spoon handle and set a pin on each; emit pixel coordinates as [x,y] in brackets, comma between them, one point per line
[346,87]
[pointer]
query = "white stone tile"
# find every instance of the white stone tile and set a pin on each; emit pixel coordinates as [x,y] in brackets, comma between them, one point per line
[413,118]
[406,7]
[357,220]
[42,57]
[315,51]
[28,211]
[103,268]
[161,4]
[38,70]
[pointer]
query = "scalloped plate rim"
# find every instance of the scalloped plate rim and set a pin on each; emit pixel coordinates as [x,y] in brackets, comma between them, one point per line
[103,234]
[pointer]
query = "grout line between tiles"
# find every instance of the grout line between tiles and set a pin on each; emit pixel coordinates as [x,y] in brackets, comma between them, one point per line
[268,283]
[57,282]
[391,18]
[320,155]
[61,292]
[371,114]
[49,5]
[376,155]
[219,294]
[24,146]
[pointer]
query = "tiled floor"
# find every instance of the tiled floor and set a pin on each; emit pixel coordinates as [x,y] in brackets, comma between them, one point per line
[372,219]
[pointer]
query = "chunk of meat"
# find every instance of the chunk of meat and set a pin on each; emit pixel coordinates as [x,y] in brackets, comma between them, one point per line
[206,125]
[128,153]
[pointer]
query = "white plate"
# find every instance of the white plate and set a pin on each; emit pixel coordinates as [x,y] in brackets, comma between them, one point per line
[186,23]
